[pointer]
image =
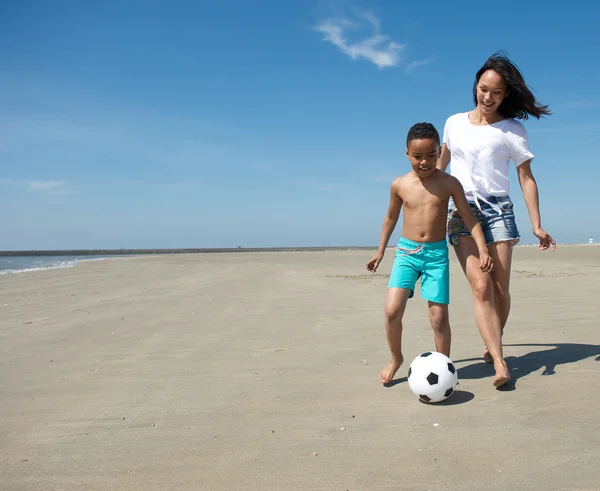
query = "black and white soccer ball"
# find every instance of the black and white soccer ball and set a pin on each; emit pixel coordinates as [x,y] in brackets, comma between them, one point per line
[432,376]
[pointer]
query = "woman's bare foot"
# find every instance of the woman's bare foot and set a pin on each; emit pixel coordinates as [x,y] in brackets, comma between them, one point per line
[486,353]
[387,374]
[487,357]
[502,376]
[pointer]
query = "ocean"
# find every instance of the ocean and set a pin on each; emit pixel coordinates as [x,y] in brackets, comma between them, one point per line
[25,264]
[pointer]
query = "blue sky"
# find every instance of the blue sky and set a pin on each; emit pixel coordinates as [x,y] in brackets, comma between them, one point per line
[267,123]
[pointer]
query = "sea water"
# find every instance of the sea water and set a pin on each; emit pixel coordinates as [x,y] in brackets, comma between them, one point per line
[25,264]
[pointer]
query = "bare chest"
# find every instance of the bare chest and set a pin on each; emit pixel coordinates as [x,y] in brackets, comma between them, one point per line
[425,198]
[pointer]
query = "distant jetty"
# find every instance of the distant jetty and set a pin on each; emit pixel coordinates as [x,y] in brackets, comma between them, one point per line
[136,252]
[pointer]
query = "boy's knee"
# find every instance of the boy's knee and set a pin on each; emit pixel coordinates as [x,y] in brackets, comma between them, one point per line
[439,319]
[392,311]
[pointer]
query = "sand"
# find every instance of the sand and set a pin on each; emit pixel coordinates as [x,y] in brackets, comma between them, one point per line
[259,371]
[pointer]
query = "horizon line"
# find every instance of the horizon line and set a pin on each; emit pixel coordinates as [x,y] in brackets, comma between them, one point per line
[192,250]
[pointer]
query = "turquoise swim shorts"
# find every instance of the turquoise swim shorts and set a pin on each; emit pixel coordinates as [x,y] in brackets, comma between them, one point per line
[426,260]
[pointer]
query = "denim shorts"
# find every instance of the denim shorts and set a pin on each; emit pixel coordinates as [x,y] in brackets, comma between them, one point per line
[495,215]
[426,260]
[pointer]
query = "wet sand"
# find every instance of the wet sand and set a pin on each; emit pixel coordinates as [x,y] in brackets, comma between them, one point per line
[260,371]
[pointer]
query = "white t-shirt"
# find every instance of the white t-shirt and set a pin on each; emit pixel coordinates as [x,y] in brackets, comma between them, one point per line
[480,155]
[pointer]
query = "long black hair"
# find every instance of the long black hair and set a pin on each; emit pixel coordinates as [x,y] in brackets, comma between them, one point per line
[519,103]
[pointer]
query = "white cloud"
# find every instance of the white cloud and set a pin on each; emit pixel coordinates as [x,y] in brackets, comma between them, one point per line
[415,64]
[45,185]
[377,48]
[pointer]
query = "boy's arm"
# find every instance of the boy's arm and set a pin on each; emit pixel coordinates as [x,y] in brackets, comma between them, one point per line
[389,223]
[486,263]
[391,217]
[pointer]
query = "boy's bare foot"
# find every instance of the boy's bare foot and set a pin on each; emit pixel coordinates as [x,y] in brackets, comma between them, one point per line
[387,374]
[502,376]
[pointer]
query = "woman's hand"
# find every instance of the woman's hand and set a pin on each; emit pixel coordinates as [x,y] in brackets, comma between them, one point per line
[545,240]
[486,263]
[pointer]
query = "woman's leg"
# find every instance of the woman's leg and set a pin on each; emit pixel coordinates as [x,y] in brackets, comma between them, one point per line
[486,316]
[501,253]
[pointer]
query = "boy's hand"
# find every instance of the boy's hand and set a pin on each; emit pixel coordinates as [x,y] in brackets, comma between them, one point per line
[486,263]
[373,263]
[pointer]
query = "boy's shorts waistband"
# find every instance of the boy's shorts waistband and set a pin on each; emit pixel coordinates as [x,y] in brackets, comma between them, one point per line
[411,244]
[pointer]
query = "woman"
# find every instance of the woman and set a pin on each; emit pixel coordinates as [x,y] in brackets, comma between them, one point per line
[480,144]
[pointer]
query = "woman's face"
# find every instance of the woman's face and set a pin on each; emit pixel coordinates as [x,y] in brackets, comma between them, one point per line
[491,91]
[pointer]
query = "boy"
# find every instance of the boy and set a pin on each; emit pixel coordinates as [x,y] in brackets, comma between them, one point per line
[422,250]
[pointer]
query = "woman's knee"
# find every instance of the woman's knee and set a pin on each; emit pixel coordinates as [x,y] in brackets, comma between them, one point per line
[482,288]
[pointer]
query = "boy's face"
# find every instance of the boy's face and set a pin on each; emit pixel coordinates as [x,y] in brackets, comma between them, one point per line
[423,155]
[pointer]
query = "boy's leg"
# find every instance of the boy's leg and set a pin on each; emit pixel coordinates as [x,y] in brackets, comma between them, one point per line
[440,323]
[401,287]
[435,288]
[395,304]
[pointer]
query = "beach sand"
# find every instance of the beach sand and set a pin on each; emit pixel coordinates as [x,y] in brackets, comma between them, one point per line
[259,371]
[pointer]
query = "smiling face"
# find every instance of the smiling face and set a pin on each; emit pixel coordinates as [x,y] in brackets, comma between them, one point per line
[491,91]
[423,154]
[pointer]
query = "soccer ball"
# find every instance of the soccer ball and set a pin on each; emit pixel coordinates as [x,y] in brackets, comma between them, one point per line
[432,376]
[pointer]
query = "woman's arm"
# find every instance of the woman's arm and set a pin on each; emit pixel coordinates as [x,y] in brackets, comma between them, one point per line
[531,195]
[444,158]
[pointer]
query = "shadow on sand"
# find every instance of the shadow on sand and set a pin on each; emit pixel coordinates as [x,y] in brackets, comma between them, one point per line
[521,366]
[457,397]
[396,381]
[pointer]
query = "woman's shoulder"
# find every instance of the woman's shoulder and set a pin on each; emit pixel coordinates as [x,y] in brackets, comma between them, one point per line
[514,126]
[457,120]
[456,117]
